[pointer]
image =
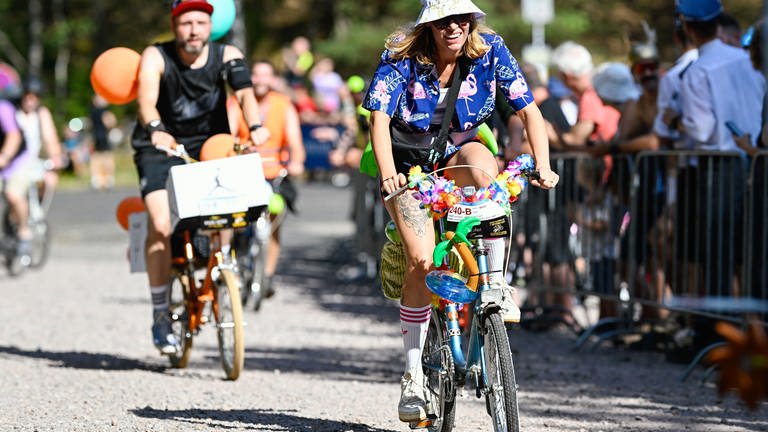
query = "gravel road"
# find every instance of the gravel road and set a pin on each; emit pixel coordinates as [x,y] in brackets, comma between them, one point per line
[323,355]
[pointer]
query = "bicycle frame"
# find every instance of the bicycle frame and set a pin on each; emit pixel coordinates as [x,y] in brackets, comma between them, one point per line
[198,296]
[472,363]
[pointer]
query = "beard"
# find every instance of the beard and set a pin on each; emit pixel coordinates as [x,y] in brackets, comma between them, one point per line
[190,49]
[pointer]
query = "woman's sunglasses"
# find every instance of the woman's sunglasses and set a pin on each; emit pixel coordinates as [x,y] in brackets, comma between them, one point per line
[460,20]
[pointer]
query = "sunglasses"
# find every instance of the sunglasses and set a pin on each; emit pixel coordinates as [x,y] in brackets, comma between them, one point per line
[645,67]
[460,20]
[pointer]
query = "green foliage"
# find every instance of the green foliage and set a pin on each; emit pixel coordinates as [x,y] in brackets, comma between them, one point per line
[350,31]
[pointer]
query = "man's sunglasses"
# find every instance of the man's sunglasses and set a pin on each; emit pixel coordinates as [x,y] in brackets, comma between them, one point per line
[460,20]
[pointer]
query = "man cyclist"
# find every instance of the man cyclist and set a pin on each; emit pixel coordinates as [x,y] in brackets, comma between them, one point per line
[182,99]
[284,150]
[40,138]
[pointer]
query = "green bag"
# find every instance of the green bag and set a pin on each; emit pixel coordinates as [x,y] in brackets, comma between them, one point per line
[368,161]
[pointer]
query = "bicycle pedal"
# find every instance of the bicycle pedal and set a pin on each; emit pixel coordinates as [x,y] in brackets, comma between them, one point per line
[421,424]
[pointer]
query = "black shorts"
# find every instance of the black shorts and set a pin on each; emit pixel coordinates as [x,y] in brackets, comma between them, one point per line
[154,167]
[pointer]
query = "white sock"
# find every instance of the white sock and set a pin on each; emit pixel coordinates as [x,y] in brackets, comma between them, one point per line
[225,249]
[414,323]
[159,297]
[495,259]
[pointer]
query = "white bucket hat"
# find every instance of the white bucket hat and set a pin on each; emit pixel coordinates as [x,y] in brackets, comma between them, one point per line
[434,10]
[614,83]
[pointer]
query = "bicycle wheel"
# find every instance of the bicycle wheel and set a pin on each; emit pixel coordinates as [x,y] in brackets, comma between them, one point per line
[498,369]
[440,390]
[41,240]
[177,295]
[229,323]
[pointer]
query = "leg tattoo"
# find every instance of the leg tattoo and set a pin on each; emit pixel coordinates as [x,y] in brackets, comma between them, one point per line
[413,216]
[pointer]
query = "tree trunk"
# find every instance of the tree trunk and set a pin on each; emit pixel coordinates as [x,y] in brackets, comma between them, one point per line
[63,55]
[35,53]
[238,31]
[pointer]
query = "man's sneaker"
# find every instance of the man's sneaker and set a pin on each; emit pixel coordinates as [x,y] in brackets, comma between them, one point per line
[267,288]
[412,406]
[162,333]
[509,310]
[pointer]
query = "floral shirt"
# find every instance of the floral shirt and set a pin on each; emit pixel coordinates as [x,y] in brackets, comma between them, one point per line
[408,91]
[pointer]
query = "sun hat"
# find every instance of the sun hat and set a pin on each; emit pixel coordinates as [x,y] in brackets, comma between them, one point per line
[178,7]
[614,83]
[433,10]
[699,10]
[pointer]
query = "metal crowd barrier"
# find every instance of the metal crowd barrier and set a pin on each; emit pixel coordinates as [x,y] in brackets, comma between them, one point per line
[670,231]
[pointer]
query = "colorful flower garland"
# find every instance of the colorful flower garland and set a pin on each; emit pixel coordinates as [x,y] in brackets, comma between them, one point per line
[440,196]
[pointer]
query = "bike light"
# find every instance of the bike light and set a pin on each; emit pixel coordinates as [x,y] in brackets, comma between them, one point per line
[450,286]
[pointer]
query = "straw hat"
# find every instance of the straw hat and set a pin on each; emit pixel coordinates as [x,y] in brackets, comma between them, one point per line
[433,10]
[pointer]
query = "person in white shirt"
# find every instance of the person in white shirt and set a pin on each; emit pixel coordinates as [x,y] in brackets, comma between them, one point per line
[720,87]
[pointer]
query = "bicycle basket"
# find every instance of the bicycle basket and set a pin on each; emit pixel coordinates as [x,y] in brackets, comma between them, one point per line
[392,272]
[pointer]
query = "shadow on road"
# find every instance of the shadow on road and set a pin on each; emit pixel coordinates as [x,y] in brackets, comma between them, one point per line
[252,420]
[319,272]
[83,360]
[365,365]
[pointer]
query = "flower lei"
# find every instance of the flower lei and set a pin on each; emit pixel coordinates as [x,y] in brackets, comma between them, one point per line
[440,196]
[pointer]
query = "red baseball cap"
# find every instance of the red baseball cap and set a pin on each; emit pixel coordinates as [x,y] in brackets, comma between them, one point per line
[178,7]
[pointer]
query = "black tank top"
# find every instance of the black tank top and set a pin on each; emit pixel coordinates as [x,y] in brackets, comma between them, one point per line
[192,102]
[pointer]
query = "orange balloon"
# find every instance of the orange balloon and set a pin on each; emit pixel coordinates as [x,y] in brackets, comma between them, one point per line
[127,206]
[114,75]
[217,147]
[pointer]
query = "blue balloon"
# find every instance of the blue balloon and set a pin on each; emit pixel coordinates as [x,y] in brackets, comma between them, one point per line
[223,17]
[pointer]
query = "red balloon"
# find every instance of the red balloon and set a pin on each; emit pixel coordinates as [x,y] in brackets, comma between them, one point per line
[127,206]
[217,147]
[114,75]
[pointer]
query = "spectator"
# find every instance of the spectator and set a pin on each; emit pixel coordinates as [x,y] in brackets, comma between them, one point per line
[298,60]
[596,121]
[729,30]
[720,86]
[102,157]
[596,236]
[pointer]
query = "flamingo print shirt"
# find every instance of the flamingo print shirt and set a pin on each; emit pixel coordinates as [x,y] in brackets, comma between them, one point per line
[408,92]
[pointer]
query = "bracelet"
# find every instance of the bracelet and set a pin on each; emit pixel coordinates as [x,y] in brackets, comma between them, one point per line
[254,127]
[155,126]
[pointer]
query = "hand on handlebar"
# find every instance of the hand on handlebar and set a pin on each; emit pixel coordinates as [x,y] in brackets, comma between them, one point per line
[391,184]
[164,141]
[545,178]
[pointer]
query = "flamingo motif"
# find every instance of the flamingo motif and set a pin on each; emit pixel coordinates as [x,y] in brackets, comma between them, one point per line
[519,87]
[468,88]
[417,90]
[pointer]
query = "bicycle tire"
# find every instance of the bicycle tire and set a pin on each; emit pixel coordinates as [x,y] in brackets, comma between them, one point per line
[228,311]
[41,243]
[257,255]
[499,372]
[439,376]
[178,294]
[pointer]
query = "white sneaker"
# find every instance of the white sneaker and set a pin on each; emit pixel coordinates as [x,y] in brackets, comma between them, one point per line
[412,406]
[509,310]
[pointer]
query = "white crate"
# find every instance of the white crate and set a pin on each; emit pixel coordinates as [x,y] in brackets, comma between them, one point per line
[218,187]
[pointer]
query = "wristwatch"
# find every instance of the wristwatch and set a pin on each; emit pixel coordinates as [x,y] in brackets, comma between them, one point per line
[155,125]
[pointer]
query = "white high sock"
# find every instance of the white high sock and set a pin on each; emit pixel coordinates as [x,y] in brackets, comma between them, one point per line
[159,297]
[495,259]
[414,323]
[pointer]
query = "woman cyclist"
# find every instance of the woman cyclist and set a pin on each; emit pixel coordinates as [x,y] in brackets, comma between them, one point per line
[407,98]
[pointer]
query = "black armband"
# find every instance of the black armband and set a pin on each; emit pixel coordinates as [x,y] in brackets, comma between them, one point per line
[238,75]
